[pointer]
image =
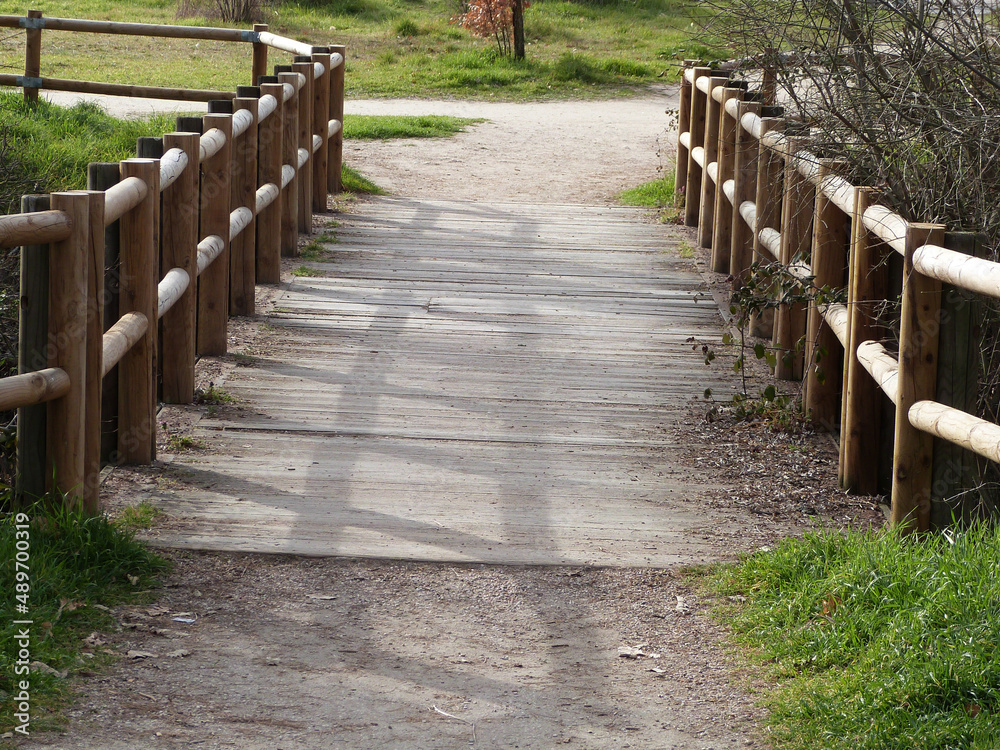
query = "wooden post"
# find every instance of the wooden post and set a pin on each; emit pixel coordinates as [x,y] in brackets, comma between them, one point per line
[68,346]
[744,189]
[148,147]
[259,56]
[95,355]
[861,422]
[722,222]
[796,226]
[270,141]
[243,267]
[179,248]
[321,118]
[918,353]
[139,278]
[683,126]
[769,84]
[101,176]
[768,196]
[32,55]
[959,353]
[33,339]
[304,67]
[706,213]
[290,157]
[831,233]
[692,191]
[213,285]
[337,113]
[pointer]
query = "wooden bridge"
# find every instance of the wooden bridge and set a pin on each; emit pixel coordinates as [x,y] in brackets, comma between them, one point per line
[465,382]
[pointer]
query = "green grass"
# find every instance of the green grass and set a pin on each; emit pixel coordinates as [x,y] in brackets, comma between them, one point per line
[355,182]
[385,127]
[876,642]
[138,517]
[53,145]
[656,194]
[306,271]
[213,396]
[395,47]
[77,567]
[179,443]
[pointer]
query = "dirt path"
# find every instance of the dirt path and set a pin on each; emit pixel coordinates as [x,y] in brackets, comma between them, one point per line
[282,652]
[559,152]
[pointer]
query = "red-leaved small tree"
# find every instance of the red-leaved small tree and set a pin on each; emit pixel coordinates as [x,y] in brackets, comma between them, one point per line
[494,18]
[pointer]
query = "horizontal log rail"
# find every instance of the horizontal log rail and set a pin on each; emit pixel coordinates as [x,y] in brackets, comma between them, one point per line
[33,388]
[130,29]
[122,198]
[121,337]
[168,292]
[172,166]
[955,426]
[34,83]
[38,228]
[260,38]
[218,176]
[824,232]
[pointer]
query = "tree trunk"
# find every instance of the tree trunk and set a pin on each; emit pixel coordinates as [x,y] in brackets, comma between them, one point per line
[518,29]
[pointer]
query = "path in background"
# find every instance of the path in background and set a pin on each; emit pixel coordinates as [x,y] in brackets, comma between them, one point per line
[551,152]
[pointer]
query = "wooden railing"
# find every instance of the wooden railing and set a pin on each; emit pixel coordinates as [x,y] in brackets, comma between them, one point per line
[185,235]
[758,195]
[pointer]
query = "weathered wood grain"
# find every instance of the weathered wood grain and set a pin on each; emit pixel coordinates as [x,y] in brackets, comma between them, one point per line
[494,383]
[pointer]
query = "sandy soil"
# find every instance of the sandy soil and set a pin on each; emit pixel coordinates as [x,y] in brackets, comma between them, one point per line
[259,652]
[560,152]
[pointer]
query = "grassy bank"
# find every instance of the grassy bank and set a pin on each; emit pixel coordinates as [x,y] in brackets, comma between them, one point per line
[47,148]
[395,47]
[67,570]
[873,641]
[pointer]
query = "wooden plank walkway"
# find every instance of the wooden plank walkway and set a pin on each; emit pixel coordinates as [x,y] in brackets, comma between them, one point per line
[467,382]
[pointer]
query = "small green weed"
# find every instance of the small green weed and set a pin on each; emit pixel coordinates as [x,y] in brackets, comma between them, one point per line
[579,68]
[244,360]
[876,641]
[355,182]
[180,443]
[656,194]
[316,249]
[685,250]
[138,517]
[313,251]
[780,412]
[306,271]
[213,396]
[406,28]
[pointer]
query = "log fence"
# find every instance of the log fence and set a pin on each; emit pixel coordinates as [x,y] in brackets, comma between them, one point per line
[756,192]
[183,238]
